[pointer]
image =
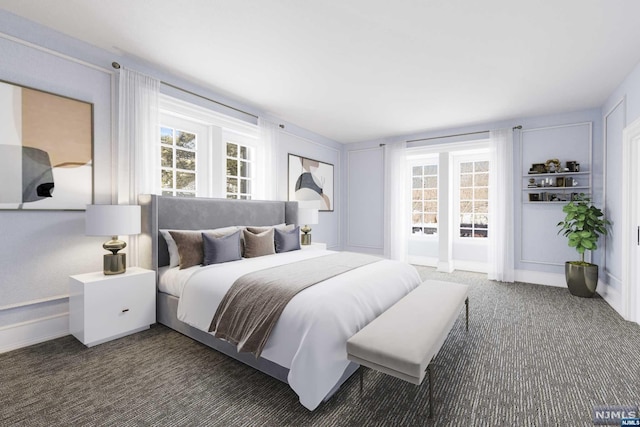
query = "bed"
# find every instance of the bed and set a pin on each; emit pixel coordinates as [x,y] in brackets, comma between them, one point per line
[307,347]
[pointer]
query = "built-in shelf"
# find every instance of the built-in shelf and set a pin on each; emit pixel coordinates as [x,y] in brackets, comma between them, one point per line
[550,189]
[554,186]
[547,175]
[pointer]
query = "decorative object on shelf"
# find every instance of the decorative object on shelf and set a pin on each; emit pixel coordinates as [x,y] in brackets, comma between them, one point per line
[307,216]
[113,220]
[583,225]
[573,166]
[311,181]
[560,181]
[534,197]
[46,152]
[538,168]
[552,165]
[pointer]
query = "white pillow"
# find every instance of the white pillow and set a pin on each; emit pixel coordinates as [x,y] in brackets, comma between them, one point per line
[174,257]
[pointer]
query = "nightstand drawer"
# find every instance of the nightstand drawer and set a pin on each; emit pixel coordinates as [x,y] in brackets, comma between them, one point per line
[116,308]
[102,307]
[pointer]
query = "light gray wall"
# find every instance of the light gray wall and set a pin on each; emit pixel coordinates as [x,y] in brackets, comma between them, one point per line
[41,249]
[328,229]
[621,109]
[370,217]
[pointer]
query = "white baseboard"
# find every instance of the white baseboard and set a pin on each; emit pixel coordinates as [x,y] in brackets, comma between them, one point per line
[34,331]
[478,267]
[445,267]
[540,278]
[611,294]
[423,260]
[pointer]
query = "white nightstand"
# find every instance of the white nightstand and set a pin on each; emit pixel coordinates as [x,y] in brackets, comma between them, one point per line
[314,247]
[102,308]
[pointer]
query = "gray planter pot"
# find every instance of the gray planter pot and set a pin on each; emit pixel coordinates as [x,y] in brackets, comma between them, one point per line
[581,279]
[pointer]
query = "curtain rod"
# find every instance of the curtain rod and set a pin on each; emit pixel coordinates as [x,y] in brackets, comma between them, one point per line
[117,67]
[451,136]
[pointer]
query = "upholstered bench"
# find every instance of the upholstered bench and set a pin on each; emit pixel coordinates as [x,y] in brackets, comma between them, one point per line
[403,340]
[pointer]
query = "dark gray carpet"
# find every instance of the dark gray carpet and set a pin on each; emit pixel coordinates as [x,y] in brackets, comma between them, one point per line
[534,356]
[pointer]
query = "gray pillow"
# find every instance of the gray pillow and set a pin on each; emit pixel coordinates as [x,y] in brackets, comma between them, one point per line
[287,240]
[256,245]
[221,249]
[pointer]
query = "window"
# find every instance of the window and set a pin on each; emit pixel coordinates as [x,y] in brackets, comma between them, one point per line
[178,162]
[474,198]
[239,178]
[424,198]
[207,154]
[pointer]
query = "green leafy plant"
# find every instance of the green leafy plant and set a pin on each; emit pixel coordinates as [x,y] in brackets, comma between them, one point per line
[583,225]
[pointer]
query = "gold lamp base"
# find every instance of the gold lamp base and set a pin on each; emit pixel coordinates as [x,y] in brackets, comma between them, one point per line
[305,239]
[115,264]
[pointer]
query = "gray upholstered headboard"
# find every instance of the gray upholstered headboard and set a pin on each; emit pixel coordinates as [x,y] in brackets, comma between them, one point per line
[188,213]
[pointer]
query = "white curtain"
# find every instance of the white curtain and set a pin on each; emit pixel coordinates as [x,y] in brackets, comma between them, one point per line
[139,136]
[396,204]
[138,143]
[501,246]
[269,133]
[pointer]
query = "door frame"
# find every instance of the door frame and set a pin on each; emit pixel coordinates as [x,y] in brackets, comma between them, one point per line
[630,221]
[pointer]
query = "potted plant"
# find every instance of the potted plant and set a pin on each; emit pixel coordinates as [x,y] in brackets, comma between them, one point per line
[583,225]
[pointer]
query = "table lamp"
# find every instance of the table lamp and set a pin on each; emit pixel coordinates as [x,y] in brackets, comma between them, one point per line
[114,221]
[307,216]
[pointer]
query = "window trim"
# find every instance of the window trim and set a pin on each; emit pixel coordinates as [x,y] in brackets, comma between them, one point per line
[219,128]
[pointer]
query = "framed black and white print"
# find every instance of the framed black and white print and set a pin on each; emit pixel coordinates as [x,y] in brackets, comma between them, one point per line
[46,150]
[311,181]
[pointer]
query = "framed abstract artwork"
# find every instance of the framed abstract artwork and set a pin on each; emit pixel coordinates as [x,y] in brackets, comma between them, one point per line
[311,181]
[46,150]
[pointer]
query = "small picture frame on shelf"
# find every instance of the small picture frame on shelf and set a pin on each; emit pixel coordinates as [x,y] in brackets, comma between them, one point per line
[534,197]
[560,181]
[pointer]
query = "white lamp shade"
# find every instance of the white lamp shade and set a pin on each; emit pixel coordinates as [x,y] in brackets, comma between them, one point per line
[112,220]
[307,216]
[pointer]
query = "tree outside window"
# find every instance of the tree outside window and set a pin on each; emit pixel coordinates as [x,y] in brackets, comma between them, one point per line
[178,151]
[474,199]
[424,199]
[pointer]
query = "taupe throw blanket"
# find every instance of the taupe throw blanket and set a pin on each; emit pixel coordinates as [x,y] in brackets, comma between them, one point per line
[252,306]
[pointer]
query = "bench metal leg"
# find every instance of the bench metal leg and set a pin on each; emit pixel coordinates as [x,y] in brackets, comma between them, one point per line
[361,369]
[430,391]
[466,303]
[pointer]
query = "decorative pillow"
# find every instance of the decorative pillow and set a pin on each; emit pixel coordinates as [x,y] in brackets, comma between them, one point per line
[287,240]
[189,245]
[256,245]
[221,249]
[262,229]
[174,256]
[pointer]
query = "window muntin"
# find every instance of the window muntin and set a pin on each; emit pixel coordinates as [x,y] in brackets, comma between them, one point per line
[178,162]
[474,199]
[239,167]
[424,199]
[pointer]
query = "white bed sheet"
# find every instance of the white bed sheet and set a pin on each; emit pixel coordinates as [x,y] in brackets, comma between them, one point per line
[310,337]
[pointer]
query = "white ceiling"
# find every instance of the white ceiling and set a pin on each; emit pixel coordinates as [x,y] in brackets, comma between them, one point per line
[355,70]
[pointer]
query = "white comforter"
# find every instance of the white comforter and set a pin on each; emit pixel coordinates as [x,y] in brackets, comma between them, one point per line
[310,337]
